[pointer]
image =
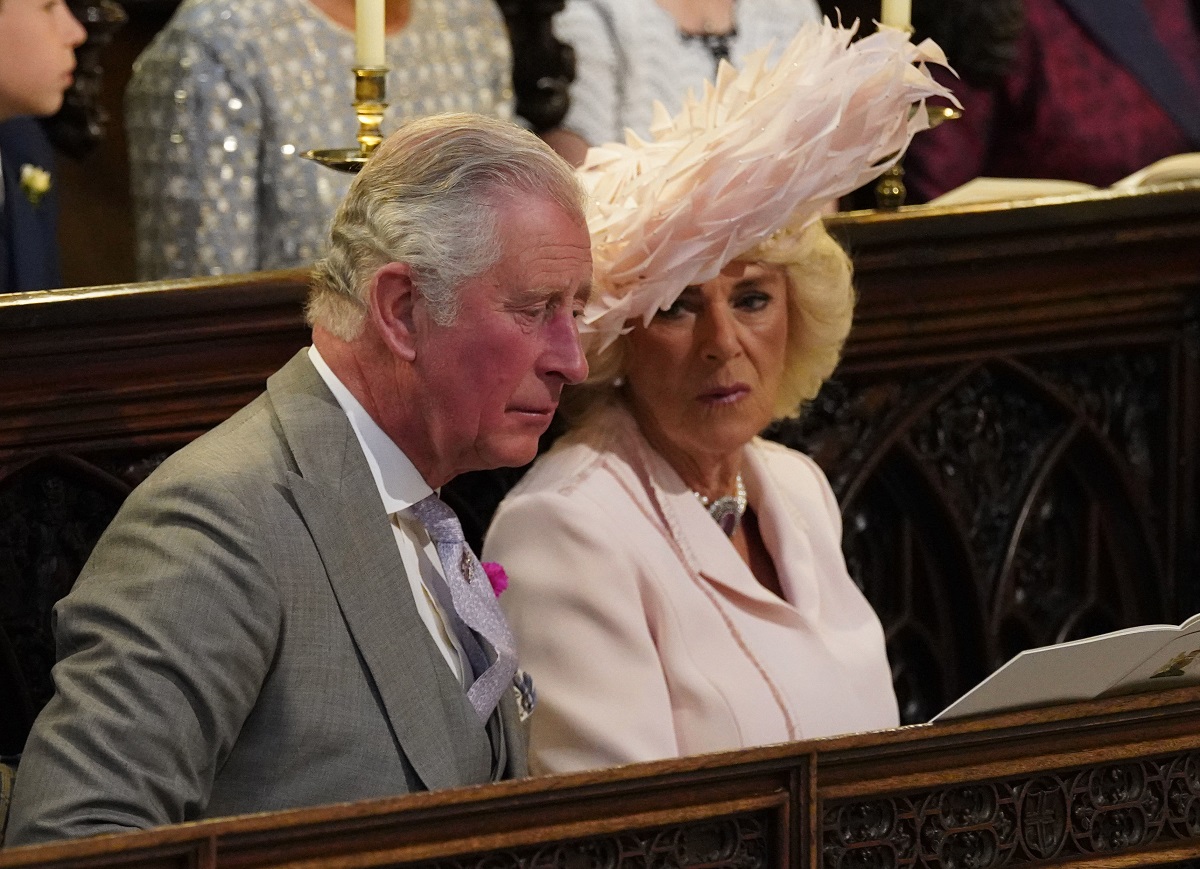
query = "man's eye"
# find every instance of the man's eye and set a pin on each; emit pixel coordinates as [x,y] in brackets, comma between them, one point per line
[542,311]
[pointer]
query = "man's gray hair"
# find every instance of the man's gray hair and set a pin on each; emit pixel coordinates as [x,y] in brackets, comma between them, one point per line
[429,197]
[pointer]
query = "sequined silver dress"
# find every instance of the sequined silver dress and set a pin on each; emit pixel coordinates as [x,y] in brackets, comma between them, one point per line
[228,96]
[629,53]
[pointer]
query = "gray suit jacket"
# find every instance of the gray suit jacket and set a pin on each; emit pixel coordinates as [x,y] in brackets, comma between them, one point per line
[243,639]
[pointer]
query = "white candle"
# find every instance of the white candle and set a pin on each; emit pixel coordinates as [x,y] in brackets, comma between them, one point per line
[896,13]
[368,33]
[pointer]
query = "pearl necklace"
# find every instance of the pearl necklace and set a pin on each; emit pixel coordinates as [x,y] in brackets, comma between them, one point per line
[727,511]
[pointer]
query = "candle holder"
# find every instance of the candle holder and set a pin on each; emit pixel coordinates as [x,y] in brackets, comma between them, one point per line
[370,89]
[890,191]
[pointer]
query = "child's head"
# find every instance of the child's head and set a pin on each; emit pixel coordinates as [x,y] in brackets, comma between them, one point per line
[37,55]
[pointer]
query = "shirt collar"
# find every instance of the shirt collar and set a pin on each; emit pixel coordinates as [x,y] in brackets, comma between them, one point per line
[400,484]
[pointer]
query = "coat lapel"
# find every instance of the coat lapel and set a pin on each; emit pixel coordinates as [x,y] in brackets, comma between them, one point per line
[708,554]
[337,498]
[1124,29]
[703,548]
[786,534]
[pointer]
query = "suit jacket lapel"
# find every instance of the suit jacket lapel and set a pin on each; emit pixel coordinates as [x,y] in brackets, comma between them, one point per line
[337,498]
[1124,29]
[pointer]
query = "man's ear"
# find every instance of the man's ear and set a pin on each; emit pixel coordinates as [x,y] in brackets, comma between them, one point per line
[391,305]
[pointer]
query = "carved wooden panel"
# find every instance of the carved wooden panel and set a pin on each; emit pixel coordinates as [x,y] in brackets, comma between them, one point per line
[730,842]
[52,512]
[1111,783]
[1080,812]
[997,505]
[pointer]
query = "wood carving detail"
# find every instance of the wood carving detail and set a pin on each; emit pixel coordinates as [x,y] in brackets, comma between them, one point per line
[1123,395]
[1080,812]
[985,440]
[131,468]
[731,842]
[52,512]
[995,506]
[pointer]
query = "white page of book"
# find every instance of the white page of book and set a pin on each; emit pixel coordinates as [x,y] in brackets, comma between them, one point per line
[1078,670]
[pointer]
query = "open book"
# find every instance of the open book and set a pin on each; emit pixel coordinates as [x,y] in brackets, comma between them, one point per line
[1169,170]
[1145,658]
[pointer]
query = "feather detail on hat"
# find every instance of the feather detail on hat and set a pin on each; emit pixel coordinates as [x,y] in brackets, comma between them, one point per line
[761,149]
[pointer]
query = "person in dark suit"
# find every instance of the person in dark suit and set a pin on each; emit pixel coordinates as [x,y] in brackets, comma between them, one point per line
[37,57]
[29,210]
[280,615]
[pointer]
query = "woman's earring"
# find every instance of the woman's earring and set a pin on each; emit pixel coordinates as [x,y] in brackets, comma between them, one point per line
[618,381]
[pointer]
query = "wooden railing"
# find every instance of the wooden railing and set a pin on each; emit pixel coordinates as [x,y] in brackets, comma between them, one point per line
[1111,783]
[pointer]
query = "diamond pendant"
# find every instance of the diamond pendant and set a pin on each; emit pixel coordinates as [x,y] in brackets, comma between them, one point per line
[726,513]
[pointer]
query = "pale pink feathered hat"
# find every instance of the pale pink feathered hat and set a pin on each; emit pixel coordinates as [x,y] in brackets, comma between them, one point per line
[762,149]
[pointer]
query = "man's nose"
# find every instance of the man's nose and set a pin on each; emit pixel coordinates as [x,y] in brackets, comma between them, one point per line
[564,354]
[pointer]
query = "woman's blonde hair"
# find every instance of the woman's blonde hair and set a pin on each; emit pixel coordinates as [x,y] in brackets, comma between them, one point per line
[820,306]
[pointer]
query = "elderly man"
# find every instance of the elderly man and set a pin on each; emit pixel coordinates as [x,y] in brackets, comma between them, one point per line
[268,622]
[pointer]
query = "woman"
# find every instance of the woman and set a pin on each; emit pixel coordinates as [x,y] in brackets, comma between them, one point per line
[1082,91]
[677,582]
[631,53]
[227,98]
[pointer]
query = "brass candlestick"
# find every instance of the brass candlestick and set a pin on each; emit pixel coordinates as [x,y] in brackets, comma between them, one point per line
[890,190]
[370,89]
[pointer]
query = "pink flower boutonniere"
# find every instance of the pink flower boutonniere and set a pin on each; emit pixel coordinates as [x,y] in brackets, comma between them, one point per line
[496,576]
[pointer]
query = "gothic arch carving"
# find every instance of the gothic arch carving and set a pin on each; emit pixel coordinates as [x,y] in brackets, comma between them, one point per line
[52,511]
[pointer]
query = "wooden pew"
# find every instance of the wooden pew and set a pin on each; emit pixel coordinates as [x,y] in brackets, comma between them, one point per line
[1110,783]
[1012,433]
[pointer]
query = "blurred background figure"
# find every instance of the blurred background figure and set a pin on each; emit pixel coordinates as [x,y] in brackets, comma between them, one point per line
[1076,90]
[629,53]
[37,58]
[228,96]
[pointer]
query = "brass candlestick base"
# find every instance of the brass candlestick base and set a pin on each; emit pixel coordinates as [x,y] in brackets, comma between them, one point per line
[890,190]
[370,88]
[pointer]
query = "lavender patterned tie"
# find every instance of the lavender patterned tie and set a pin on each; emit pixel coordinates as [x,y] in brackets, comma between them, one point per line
[474,603]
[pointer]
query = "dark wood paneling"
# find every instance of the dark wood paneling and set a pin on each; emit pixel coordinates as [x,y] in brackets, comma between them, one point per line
[1012,433]
[1112,783]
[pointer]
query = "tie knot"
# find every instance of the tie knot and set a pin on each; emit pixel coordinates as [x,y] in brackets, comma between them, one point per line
[438,519]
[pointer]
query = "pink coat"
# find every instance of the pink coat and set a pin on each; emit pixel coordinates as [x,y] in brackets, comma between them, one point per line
[645,633]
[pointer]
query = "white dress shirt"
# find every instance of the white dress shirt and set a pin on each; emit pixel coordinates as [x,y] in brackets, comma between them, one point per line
[400,486]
